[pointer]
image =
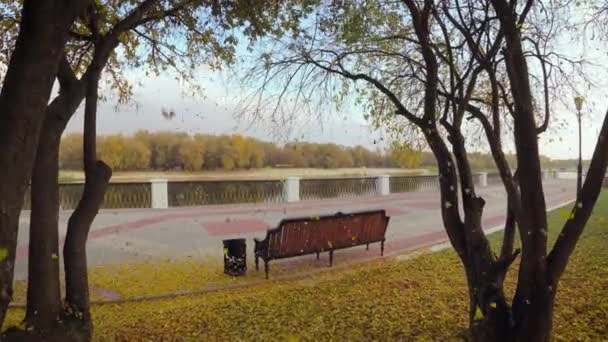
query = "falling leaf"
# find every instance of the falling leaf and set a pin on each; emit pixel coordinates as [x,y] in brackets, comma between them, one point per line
[478,314]
[3,253]
[54,256]
[493,305]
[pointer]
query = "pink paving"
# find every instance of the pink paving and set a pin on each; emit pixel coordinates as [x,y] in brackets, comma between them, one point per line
[424,204]
[392,212]
[235,227]
[415,222]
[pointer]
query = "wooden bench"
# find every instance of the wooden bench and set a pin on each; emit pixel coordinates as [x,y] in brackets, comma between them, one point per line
[301,236]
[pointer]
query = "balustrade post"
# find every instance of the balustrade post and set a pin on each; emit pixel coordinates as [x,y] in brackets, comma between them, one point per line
[383,185]
[483,180]
[291,189]
[160,193]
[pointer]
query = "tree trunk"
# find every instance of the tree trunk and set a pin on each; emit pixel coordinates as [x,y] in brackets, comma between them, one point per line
[97,177]
[485,329]
[74,249]
[25,94]
[43,291]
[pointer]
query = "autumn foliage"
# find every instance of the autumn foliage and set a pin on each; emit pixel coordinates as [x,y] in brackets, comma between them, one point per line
[168,150]
[179,151]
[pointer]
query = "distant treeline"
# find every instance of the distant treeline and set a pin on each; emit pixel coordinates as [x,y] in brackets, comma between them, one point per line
[179,151]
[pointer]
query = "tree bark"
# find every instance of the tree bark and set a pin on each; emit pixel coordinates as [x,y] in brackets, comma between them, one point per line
[43,273]
[43,292]
[74,250]
[97,177]
[533,301]
[24,97]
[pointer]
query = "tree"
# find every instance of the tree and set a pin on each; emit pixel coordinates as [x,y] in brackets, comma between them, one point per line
[136,155]
[331,156]
[191,153]
[164,149]
[70,152]
[441,72]
[258,155]
[403,155]
[361,157]
[26,88]
[148,26]
[111,150]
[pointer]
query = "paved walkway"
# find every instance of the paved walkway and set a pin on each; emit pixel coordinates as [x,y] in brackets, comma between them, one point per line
[141,234]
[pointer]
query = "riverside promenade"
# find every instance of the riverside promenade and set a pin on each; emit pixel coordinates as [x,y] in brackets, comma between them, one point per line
[131,235]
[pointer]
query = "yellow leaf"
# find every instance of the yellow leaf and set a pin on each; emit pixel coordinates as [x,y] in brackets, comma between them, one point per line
[493,305]
[3,253]
[478,314]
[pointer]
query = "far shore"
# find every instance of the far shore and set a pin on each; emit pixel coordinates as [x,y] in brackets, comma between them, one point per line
[67,176]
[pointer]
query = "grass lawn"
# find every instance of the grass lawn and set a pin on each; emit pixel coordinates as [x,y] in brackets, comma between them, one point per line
[420,299]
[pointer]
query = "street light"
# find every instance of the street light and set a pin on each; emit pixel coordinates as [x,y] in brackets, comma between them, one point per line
[578,101]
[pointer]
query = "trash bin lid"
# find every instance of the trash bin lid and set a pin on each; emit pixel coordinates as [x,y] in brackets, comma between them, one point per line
[234,240]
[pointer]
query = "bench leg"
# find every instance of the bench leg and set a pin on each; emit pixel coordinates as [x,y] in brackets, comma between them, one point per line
[331,258]
[317,255]
[266,268]
[257,263]
[382,248]
[367,247]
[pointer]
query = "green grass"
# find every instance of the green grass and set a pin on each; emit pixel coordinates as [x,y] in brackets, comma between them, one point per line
[421,299]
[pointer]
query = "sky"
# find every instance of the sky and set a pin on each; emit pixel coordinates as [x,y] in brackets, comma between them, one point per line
[215,113]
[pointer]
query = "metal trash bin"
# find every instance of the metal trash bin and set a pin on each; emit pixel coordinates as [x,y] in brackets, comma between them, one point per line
[235,257]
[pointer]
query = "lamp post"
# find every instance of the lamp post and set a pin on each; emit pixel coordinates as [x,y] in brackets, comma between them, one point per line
[578,101]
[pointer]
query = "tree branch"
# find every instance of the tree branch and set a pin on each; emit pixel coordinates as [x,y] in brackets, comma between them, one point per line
[401,110]
[65,74]
[573,228]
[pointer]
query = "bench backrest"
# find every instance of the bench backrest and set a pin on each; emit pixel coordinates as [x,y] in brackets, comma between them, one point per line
[317,234]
